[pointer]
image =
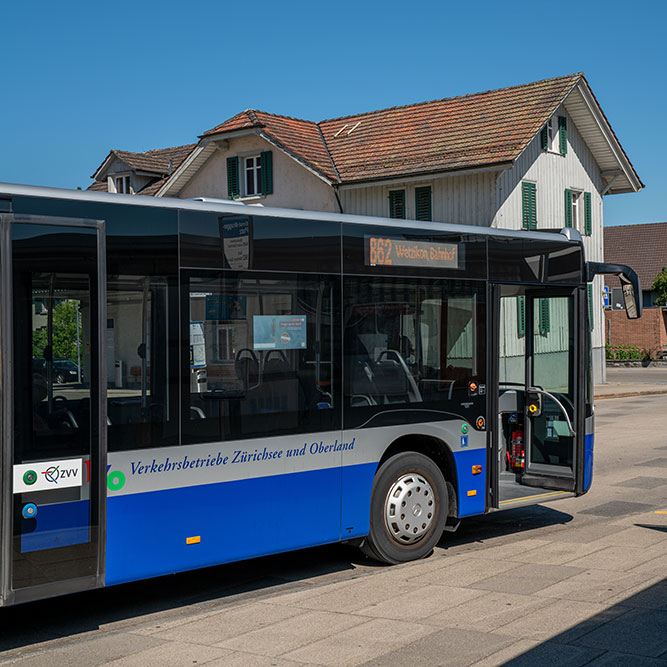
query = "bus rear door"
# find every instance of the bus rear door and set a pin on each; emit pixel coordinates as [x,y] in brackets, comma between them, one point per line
[54,424]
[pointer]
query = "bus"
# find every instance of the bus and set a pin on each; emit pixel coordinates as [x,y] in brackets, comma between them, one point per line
[243,381]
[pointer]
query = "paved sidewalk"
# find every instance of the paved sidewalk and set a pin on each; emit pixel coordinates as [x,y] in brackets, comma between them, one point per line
[589,593]
[623,382]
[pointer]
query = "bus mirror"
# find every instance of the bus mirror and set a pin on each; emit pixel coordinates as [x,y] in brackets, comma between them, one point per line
[630,301]
[632,289]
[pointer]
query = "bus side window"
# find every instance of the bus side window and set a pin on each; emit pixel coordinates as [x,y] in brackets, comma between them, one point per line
[261,355]
[137,361]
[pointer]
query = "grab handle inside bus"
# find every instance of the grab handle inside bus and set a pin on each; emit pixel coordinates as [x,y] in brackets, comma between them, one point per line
[632,289]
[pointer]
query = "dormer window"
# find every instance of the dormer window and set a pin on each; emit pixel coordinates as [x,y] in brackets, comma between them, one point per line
[250,175]
[122,184]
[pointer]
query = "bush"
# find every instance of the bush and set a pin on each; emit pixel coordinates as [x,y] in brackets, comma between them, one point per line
[627,352]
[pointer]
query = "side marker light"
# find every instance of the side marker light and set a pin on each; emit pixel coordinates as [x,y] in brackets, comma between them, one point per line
[193,540]
[472,493]
[476,470]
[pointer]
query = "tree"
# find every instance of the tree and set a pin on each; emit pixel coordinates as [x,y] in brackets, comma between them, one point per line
[64,332]
[660,286]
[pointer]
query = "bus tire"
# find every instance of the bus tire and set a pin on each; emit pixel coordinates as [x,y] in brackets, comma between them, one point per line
[409,506]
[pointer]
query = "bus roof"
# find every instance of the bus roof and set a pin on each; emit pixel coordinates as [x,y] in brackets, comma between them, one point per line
[565,235]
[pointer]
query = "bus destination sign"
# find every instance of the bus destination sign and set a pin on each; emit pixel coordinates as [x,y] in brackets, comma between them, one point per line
[386,251]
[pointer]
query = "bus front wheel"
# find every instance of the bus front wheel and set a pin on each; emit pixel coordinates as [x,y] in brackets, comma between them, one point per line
[408,509]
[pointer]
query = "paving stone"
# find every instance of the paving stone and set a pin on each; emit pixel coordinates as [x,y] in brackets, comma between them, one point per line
[291,633]
[654,463]
[655,567]
[527,578]
[171,654]
[215,628]
[635,536]
[533,654]
[450,646]
[558,553]
[652,594]
[93,652]
[640,631]
[463,571]
[420,603]
[585,533]
[562,619]
[347,596]
[620,559]
[488,612]
[617,508]
[252,660]
[593,586]
[508,550]
[613,659]
[642,482]
[368,640]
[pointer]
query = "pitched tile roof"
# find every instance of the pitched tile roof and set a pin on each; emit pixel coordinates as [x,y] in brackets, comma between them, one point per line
[98,186]
[157,161]
[302,138]
[642,247]
[453,133]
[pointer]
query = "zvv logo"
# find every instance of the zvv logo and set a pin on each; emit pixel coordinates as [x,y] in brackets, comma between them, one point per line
[52,474]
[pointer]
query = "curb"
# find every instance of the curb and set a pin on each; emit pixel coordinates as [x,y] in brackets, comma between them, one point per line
[625,394]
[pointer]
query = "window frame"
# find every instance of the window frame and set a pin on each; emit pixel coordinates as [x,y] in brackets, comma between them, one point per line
[257,175]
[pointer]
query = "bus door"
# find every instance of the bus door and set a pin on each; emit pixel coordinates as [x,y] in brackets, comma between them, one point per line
[538,439]
[54,424]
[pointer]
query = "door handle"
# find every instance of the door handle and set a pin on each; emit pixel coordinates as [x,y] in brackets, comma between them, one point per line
[558,403]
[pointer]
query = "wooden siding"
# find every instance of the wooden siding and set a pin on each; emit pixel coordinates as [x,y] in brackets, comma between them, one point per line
[553,174]
[468,200]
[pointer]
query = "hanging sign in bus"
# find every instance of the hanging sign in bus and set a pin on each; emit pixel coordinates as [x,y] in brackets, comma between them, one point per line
[386,251]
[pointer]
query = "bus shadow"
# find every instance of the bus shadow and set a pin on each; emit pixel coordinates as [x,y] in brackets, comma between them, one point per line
[126,606]
[508,522]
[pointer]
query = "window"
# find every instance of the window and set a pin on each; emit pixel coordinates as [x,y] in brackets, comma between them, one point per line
[122,184]
[411,344]
[529,205]
[397,203]
[137,361]
[423,203]
[261,356]
[253,177]
[578,212]
[554,135]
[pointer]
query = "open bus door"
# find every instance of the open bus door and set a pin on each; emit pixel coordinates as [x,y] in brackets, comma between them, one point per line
[53,402]
[539,430]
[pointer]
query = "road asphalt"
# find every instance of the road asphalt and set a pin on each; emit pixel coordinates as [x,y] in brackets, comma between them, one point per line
[579,581]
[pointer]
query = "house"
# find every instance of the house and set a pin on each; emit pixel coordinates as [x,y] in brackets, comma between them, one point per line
[644,248]
[138,173]
[536,156]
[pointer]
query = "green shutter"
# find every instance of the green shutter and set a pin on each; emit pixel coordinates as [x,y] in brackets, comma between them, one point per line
[521,315]
[544,135]
[423,203]
[562,134]
[233,190]
[591,321]
[588,219]
[529,205]
[266,164]
[544,316]
[397,204]
[568,208]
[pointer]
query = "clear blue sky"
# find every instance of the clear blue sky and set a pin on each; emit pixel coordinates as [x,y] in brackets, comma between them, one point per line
[79,78]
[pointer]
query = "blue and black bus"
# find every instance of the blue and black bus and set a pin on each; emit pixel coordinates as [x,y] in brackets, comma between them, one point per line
[245,381]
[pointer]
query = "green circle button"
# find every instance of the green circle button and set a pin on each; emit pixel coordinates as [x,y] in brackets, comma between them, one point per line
[464,429]
[29,477]
[116,480]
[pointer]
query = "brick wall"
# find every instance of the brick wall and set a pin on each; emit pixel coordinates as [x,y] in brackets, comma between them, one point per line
[648,332]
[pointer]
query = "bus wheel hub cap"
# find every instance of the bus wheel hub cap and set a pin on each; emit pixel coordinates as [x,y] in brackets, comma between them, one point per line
[410,508]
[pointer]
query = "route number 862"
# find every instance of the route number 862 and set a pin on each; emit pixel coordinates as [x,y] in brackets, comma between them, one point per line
[380,251]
